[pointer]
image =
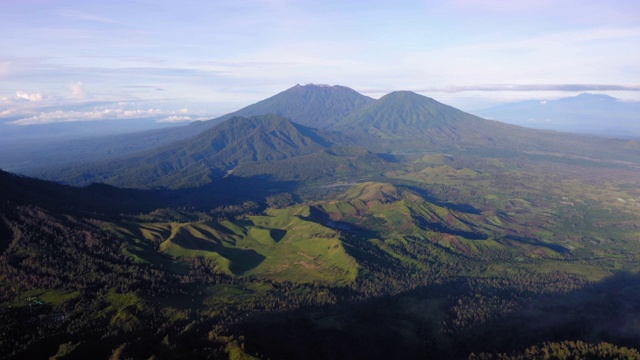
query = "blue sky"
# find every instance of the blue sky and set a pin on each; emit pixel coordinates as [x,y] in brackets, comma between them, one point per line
[65,61]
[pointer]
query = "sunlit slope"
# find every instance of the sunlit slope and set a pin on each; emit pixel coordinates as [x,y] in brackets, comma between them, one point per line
[328,241]
[281,244]
[390,213]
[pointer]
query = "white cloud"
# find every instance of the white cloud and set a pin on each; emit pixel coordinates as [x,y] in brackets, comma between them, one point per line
[96,114]
[138,113]
[175,118]
[29,96]
[77,91]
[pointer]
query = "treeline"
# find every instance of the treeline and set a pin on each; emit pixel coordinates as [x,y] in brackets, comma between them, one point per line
[566,350]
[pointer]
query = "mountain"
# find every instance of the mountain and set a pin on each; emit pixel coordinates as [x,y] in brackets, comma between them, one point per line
[316,106]
[401,122]
[212,154]
[406,122]
[586,113]
[403,112]
[403,115]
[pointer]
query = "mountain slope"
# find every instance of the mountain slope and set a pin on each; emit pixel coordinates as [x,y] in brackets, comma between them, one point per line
[402,112]
[209,155]
[404,121]
[336,163]
[316,106]
[403,115]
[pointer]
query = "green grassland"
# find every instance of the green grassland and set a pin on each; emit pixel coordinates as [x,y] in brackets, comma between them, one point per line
[322,241]
[281,244]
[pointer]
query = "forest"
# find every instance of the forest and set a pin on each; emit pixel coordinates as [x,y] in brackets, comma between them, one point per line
[479,258]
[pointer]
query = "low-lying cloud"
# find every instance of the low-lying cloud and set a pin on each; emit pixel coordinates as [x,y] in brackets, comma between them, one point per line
[175,119]
[114,113]
[74,116]
[29,96]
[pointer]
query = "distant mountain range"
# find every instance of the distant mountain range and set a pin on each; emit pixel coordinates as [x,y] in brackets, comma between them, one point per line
[302,121]
[586,113]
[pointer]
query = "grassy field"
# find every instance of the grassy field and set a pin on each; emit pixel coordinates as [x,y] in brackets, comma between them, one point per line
[282,244]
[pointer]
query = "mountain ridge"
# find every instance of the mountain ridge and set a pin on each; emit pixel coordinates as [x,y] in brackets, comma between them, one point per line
[211,154]
[399,122]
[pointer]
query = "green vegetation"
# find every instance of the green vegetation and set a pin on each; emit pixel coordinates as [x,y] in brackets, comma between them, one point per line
[212,154]
[468,239]
[282,244]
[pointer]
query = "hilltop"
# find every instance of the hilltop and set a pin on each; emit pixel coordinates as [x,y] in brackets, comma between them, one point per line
[316,106]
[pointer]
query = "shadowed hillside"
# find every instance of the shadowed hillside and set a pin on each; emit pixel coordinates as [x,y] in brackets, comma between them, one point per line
[210,155]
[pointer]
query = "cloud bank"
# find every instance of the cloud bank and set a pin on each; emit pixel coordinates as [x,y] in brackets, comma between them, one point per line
[76,113]
[29,96]
[520,87]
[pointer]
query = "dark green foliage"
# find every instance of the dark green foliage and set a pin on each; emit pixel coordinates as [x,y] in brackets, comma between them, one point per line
[566,350]
[280,201]
[418,291]
[343,163]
